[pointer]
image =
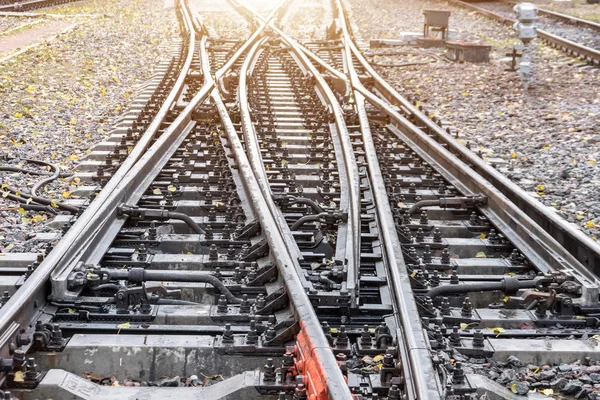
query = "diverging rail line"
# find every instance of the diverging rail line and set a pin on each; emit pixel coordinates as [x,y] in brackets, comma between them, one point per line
[295,213]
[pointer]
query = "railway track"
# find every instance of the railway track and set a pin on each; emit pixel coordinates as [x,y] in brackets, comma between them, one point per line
[28,5]
[276,222]
[574,36]
[564,17]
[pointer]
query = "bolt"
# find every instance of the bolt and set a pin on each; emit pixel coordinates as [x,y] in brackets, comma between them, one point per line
[458,376]
[365,336]
[342,337]
[478,339]
[227,334]
[454,278]
[394,393]
[427,255]
[252,336]
[245,305]
[269,374]
[260,301]
[420,235]
[467,308]
[437,236]
[300,392]
[455,337]
[32,369]
[288,360]
[213,252]
[445,257]
[445,306]
[222,304]
[424,220]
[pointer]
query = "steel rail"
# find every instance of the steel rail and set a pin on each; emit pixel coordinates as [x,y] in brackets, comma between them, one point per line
[353,183]
[33,4]
[102,234]
[255,158]
[420,375]
[21,306]
[568,46]
[98,251]
[326,368]
[246,46]
[565,244]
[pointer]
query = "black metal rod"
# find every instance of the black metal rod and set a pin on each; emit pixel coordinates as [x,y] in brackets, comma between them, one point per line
[139,275]
[188,220]
[306,219]
[508,285]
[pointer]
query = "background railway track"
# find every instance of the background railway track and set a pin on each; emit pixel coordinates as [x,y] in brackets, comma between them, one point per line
[579,41]
[275,203]
[29,5]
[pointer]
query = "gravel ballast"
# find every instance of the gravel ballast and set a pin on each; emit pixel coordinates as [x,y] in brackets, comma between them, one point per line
[308,19]
[548,135]
[62,97]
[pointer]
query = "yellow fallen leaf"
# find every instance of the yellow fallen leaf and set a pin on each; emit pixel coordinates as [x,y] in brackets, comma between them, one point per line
[334,330]
[496,330]
[21,211]
[73,121]
[464,326]
[172,188]
[591,225]
[125,325]
[482,236]
[30,89]
[53,203]
[29,200]
[592,162]
[378,358]
[540,188]
[480,254]
[38,218]
[513,155]
[73,157]
[66,194]
[18,115]
[25,220]
[156,191]
[19,376]
[547,392]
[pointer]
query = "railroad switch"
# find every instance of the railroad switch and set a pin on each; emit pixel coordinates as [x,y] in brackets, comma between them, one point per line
[138,297]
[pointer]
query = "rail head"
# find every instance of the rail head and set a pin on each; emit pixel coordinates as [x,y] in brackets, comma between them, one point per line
[349,162]
[321,365]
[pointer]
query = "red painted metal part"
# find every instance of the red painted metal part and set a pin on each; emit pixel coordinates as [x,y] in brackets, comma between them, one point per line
[308,365]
